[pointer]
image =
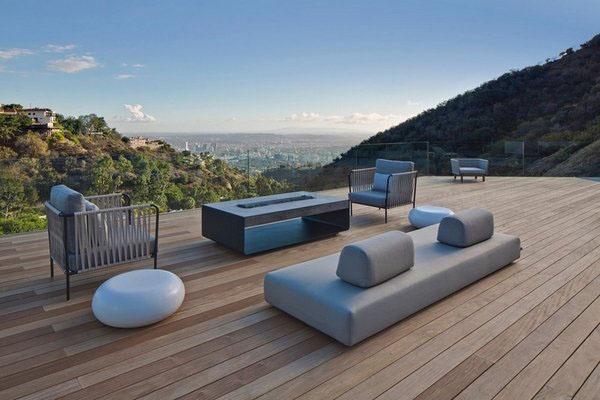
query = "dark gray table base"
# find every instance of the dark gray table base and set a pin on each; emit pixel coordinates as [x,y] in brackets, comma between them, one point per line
[231,231]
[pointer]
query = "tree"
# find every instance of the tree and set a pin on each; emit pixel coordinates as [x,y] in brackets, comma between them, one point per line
[31,145]
[12,196]
[6,153]
[103,176]
[11,126]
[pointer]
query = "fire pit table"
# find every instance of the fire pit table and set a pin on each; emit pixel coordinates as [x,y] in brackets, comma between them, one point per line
[265,223]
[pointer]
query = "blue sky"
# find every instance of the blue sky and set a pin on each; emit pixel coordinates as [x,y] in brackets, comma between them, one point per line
[245,66]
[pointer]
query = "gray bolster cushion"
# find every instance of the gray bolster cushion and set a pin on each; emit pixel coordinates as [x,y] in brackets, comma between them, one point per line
[466,228]
[375,260]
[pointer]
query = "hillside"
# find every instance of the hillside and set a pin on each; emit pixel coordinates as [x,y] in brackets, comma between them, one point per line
[554,108]
[104,162]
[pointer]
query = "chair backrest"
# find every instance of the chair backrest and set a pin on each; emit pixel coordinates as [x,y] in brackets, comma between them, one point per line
[392,166]
[67,201]
[472,162]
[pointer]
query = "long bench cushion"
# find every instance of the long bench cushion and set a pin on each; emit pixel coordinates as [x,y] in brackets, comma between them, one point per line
[377,259]
[466,228]
[312,292]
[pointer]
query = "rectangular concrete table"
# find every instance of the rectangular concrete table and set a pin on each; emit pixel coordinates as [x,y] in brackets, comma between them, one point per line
[269,222]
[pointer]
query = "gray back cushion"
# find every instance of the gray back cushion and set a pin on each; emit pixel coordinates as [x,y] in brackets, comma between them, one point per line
[375,260]
[380,182]
[466,228]
[68,201]
[393,167]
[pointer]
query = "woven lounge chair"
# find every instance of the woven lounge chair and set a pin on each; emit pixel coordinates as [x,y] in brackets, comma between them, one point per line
[98,231]
[469,167]
[389,184]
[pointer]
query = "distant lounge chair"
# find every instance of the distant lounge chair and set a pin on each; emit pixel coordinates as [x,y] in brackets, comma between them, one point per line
[389,184]
[469,167]
[374,283]
[98,231]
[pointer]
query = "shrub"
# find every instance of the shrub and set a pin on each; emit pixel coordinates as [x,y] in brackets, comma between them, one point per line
[22,223]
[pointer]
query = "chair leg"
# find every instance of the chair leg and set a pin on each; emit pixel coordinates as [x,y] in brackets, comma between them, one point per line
[68,285]
[51,267]
[386,215]
[350,208]
[483,178]
[155,261]
[461,179]
[454,177]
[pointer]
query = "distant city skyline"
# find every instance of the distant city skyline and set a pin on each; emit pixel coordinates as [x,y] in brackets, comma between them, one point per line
[271,66]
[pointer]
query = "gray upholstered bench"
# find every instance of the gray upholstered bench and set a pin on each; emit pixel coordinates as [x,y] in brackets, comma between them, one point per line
[314,293]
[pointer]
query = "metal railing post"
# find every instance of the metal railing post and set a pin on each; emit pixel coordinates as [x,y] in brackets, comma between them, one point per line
[427,165]
[248,170]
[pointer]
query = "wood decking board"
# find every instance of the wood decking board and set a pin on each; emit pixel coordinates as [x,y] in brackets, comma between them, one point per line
[531,330]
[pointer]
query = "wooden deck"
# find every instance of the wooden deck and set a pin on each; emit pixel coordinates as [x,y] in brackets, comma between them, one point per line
[529,331]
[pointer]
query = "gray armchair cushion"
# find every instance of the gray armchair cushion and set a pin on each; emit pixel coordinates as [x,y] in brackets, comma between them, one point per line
[393,167]
[89,206]
[375,260]
[373,198]
[380,182]
[471,171]
[67,201]
[466,228]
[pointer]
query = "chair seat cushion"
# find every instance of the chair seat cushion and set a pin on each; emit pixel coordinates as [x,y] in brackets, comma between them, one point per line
[466,228]
[375,260]
[471,171]
[138,298]
[373,198]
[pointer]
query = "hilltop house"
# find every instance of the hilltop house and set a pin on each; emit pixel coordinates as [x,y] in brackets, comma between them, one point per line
[140,141]
[43,120]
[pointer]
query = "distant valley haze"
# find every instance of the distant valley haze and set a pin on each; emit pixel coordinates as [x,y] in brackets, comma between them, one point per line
[335,67]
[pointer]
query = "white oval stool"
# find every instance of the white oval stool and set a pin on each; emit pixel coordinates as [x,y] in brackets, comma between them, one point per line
[138,298]
[423,216]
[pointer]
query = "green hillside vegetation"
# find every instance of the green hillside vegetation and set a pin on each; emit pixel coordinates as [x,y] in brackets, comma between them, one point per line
[554,108]
[103,162]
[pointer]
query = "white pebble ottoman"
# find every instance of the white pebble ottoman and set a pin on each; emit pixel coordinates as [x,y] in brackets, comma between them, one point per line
[138,298]
[423,216]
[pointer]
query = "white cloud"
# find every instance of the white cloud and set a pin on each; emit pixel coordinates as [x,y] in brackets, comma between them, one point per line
[351,119]
[412,103]
[73,64]
[56,48]
[124,76]
[133,65]
[14,53]
[135,114]
[304,117]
